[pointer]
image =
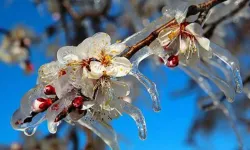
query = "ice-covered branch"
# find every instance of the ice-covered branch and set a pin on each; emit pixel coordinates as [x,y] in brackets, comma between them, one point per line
[192,10]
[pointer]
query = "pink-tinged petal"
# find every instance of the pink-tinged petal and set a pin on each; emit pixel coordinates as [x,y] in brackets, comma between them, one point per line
[97,70]
[120,67]
[115,49]
[100,42]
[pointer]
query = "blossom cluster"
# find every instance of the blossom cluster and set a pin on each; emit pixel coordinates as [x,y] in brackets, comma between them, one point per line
[83,86]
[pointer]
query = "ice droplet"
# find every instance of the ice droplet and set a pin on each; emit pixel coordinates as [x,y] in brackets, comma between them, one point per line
[30,131]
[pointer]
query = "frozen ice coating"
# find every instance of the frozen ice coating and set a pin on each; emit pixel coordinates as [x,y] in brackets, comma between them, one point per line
[232,62]
[217,63]
[18,118]
[29,98]
[51,115]
[149,85]
[226,88]
[146,31]
[100,129]
[48,72]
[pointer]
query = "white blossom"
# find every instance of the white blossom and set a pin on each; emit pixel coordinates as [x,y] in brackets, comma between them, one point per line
[97,57]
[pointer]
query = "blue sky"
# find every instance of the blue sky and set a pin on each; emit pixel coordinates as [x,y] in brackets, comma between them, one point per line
[167,130]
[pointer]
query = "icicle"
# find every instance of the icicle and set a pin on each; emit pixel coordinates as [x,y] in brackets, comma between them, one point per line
[149,85]
[223,86]
[218,64]
[202,82]
[151,88]
[104,131]
[138,117]
[231,61]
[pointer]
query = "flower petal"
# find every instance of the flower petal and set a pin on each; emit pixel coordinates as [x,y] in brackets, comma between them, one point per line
[121,89]
[83,48]
[120,67]
[195,29]
[67,54]
[100,41]
[204,43]
[97,70]
[115,49]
